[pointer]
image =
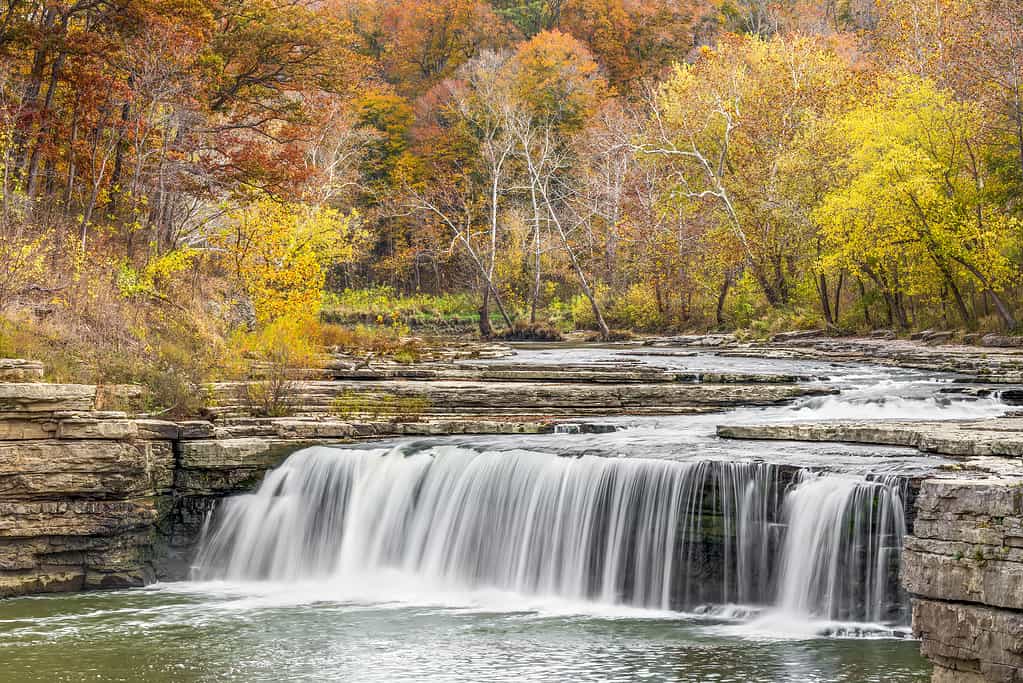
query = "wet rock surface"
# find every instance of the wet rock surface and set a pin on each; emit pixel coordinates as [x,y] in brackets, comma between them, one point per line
[98,499]
[995,437]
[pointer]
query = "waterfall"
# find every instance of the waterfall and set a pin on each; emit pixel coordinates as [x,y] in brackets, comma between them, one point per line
[647,533]
[842,547]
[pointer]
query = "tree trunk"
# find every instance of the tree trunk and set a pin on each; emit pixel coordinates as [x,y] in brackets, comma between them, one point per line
[32,167]
[537,277]
[722,295]
[867,319]
[605,331]
[964,311]
[822,291]
[486,331]
[838,296]
[1004,312]
[1019,125]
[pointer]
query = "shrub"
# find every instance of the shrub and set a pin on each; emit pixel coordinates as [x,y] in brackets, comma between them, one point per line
[171,357]
[636,309]
[385,341]
[582,313]
[382,305]
[280,351]
[523,331]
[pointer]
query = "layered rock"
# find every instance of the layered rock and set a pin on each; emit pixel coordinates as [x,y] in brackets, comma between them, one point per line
[20,370]
[998,361]
[80,494]
[499,396]
[969,438]
[964,567]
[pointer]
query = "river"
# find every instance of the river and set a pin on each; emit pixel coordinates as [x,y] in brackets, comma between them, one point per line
[652,552]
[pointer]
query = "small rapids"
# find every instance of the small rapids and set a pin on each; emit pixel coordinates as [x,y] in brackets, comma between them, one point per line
[651,534]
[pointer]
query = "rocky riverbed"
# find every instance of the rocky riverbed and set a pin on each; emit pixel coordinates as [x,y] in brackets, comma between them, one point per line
[91,498]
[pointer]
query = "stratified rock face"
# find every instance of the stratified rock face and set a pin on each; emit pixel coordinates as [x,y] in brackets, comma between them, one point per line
[964,567]
[37,398]
[80,492]
[970,643]
[20,370]
[574,397]
[980,438]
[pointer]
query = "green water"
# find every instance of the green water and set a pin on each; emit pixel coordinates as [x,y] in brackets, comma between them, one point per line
[239,633]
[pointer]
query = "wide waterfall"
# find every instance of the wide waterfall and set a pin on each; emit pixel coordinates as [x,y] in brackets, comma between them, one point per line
[660,534]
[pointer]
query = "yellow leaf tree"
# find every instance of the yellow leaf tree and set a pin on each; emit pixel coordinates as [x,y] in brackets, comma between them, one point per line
[278,253]
[909,209]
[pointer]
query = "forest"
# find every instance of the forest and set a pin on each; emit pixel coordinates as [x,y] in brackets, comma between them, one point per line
[187,184]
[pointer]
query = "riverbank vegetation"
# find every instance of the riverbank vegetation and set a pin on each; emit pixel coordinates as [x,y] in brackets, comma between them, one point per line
[178,178]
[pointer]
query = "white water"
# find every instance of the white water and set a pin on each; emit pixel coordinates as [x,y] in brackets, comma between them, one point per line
[632,532]
[660,515]
[841,549]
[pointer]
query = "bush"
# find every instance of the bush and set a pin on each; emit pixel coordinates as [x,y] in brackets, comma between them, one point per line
[172,358]
[382,305]
[279,351]
[385,341]
[523,331]
[636,309]
[582,313]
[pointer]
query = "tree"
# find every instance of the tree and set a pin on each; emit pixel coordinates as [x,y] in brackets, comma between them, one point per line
[910,210]
[277,254]
[974,48]
[607,28]
[554,87]
[722,125]
[420,43]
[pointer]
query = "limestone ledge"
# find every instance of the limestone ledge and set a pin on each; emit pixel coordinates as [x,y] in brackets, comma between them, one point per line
[87,468]
[967,543]
[30,397]
[470,398]
[20,370]
[969,643]
[964,567]
[559,374]
[1001,437]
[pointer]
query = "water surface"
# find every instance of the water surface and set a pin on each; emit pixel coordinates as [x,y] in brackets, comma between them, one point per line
[222,632]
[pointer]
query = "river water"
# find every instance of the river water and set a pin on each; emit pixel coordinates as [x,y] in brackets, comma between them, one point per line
[653,552]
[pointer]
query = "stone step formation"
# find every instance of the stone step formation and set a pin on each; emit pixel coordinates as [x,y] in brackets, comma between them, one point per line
[93,498]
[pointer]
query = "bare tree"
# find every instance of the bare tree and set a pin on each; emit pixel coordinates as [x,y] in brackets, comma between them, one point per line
[547,162]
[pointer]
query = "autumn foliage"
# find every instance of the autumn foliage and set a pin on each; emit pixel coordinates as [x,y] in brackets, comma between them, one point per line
[201,168]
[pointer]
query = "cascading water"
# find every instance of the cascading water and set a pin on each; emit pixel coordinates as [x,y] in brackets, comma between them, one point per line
[841,553]
[646,533]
